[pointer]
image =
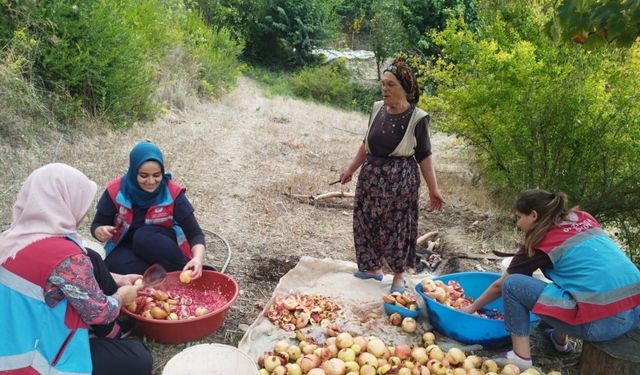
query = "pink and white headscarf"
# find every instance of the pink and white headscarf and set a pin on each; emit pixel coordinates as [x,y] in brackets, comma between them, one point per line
[51,203]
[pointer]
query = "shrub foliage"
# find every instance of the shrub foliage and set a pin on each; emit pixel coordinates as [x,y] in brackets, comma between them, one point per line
[103,57]
[540,114]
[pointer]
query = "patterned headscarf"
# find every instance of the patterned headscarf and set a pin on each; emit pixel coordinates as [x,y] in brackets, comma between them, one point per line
[408,81]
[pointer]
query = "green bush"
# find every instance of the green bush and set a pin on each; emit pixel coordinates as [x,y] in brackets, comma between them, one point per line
[107,57]
[544,115]
[364,95]
[21,107]
[327,83]
[332,84]
[216,52]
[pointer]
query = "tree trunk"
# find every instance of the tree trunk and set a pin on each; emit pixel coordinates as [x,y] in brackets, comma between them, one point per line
[619,356]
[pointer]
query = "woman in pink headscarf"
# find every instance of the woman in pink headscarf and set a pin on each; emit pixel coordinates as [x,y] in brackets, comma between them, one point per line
[61,303]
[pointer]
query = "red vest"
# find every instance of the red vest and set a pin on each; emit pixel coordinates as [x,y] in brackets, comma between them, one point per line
[160,214]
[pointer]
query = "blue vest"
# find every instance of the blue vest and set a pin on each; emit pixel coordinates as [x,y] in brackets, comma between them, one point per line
[35,337]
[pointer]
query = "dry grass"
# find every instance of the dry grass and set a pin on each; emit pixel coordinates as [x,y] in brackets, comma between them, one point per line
[237,157]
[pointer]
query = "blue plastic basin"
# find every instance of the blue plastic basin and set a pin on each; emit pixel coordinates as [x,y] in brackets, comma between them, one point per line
[468,328]
[403,311]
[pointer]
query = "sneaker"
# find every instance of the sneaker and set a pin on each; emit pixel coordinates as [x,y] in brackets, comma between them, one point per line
[513,358]
[566,348]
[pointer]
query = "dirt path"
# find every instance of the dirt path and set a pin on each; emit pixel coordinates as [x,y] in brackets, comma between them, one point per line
[238,156]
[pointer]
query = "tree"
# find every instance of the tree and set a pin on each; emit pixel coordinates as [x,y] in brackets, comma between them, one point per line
[542,114]
[387,33]
[288,32]
[597,22]
[423,17]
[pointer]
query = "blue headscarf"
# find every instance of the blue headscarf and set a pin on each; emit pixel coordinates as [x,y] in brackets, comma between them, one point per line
[141,153]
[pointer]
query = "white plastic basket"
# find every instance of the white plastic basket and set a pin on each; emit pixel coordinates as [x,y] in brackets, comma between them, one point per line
[211,359]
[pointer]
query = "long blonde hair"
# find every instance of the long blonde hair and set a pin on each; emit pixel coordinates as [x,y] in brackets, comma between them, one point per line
[551,208]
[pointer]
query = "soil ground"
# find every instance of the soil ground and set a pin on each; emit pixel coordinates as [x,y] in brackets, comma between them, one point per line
[241,156]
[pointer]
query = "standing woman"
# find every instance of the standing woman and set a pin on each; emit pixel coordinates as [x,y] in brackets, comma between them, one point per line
[144,218]
[385,216]
[59,301]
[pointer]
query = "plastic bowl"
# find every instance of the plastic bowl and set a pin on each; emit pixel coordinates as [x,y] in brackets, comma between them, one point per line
[403,311]
[210,359]
[468,328]
[181,331]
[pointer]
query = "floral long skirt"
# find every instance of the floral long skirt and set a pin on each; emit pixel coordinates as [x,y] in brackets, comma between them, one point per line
[385,215]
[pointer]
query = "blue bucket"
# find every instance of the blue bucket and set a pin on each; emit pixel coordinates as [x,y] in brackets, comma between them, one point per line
[468,328]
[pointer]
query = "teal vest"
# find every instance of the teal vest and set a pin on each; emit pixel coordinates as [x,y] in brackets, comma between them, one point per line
[36,337]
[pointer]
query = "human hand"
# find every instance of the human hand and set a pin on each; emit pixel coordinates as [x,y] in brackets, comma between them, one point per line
[129,279]
[195,265]
[436,200]
[105,232]
[128,294]
[469,309]
[345,175]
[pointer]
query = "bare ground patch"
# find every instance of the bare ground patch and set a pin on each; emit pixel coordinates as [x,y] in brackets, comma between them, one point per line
[239,156]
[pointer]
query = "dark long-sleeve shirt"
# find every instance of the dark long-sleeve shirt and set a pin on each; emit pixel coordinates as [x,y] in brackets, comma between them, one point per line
[182,214]
[387,131]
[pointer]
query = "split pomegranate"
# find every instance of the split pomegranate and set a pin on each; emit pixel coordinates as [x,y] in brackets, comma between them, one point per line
[297,311]
[179,303]
[452,295]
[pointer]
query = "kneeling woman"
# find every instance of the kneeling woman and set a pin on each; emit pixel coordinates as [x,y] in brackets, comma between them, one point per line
[594,292]
[144,218]
[60,301]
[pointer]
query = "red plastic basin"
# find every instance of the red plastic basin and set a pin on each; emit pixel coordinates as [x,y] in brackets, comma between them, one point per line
[181,331]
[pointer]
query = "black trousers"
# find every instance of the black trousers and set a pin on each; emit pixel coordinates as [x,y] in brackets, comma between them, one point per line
[115,356]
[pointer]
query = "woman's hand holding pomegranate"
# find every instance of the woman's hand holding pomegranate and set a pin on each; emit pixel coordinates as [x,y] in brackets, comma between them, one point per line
[105,232]
[127,294]
[129,279]
[195,264]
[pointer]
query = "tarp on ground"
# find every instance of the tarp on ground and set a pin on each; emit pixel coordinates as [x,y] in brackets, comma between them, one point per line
[361,300]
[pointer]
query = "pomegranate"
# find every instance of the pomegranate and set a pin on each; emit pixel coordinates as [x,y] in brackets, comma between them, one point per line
[334,366]
[185,276]
[409,325]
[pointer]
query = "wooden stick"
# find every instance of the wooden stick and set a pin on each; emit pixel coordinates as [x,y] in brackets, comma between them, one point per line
[426,236]
[333,194]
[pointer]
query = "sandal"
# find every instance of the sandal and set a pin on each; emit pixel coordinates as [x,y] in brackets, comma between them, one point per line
[366,275]
[399,288]
[566,348]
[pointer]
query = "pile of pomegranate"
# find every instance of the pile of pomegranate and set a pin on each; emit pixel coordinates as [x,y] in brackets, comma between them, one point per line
[348,355]
[179,303]
[297,311]
[452,295]
[406,300]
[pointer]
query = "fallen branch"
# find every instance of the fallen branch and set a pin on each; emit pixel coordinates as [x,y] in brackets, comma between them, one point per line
[426,236]
[333,194]
[473,256]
